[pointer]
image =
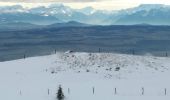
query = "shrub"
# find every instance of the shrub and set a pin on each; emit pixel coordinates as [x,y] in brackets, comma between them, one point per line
[60,94]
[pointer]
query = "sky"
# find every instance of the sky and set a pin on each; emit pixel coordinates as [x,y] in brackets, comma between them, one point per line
[77,4]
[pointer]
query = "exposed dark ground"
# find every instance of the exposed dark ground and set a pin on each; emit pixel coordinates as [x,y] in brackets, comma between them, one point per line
[121,39]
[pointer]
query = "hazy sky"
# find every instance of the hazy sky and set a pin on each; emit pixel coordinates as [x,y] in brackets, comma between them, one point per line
[98,4]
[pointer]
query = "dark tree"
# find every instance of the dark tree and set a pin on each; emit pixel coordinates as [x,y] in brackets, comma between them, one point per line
[60,94]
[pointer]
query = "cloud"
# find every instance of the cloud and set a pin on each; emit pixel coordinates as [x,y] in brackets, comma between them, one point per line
[48,1]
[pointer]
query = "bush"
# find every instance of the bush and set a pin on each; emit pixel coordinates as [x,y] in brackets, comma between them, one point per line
[87,70]
[117,68]
[60,94]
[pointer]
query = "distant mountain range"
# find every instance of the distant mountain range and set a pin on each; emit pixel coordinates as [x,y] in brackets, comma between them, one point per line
[16,26]
[150,14]
[154,14]
[68,24]
[19,26]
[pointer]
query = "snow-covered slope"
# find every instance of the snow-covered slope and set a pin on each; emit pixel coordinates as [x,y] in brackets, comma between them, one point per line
[30,78]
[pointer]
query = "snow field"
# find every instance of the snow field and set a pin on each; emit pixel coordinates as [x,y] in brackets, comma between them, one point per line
[30,78]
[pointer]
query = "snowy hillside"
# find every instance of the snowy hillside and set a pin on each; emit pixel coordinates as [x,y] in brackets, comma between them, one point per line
[38,78]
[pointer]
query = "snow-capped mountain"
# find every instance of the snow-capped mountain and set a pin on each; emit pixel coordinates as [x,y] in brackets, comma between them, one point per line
[59,11]
[146,13]
[52,10]
[87,10]
[85,15]
[144,7]
[156,14]
[27,18]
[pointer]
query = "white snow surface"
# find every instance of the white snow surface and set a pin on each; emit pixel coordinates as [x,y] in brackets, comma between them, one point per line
[30,78]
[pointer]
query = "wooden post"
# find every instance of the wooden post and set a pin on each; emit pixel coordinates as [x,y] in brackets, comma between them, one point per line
[165,91]
[55,51]
[115,91]
[143,91]
[20,93]
[166,54]
[93,90]
[68,91]
[24,56]
[133,52]
[99,50]
[48,91]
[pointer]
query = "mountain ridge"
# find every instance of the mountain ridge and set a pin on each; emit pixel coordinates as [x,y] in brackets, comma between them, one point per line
[156,14]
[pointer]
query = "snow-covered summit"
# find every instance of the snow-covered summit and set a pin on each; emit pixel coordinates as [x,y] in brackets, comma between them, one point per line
[87,10]
[106,64]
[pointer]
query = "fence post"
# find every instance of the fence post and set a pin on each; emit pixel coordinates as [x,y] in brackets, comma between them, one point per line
[48,91]
[93,90]
[115,91]
[133,52]
[99,50]
[166,54]
[24,56]
[143,91]
[20,93]
[165,91]
[55,51]
[68,90]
